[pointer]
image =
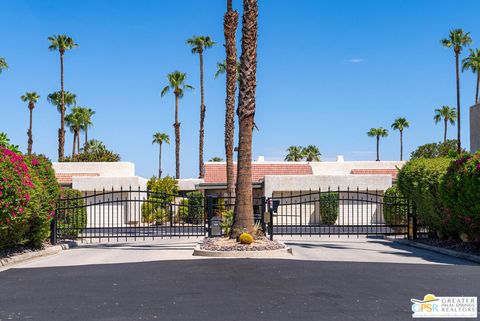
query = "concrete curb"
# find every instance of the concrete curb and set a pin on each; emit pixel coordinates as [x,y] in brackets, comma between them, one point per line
[460,255]
[35,254]
[287,251]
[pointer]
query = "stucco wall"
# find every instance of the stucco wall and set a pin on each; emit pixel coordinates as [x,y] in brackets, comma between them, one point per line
[475,128]
[112,169]
[323,182]
[344,168]
[99,183]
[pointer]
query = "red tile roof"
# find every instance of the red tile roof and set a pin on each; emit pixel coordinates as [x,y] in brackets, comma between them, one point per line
[216,172]
[376,171]
[66,178]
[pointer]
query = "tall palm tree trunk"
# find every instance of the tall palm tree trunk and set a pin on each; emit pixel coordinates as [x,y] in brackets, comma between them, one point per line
[202,120]
[85,146]
[177,139]
[378,148]
[478,84]
[78,142]
[74,143]
[230,23]
[243,217]
[30,136]
[61,131]
[459,143]
[445,130]
[160,161]
[401,145]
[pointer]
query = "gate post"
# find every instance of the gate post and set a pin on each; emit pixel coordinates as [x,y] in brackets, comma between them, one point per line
[270,219]
[209,214]
[412,221]
[263,210]
[53,230]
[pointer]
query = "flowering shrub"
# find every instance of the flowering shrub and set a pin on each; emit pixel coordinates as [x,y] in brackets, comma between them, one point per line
[43,198]
[15,188]
[460,193]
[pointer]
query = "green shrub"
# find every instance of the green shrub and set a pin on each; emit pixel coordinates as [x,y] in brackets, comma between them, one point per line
[194,209]
[329,208]
[460,193]
[71,213]
[15,189]
[395,208]
[161,193]
[43,199]
[419,180]
[436,150]
[227,222]
[96,151]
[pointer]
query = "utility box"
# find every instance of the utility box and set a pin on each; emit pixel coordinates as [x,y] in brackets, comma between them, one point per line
[216,226]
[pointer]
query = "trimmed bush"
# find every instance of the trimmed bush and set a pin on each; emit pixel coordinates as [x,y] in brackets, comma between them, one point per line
[15,188]
[161,192]
[71,213]
[395,208]
[420,181]
[329,208]
[460,193]
[436,150]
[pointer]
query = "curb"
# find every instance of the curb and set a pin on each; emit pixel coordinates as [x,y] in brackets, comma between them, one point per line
[36,254]
[287,251]
[460,255]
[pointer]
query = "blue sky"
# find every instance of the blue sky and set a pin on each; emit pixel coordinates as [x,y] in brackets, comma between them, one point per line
[327,72]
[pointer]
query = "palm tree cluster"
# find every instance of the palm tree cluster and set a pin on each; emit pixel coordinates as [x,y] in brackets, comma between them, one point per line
[80,118]
[311,153]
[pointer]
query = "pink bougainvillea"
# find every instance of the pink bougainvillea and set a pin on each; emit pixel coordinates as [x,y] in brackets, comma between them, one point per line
[14,183]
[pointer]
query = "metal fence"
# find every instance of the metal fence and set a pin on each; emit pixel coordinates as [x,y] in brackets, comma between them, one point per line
[340,212]
[142,214]
[129,214]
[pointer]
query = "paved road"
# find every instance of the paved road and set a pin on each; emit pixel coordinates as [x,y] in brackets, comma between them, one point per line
[336,279]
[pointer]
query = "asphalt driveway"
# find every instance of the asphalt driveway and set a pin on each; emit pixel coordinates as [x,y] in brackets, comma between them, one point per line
[298,288]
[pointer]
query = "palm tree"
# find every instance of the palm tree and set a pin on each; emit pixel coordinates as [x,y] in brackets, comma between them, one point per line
[87,114]
[447,114]
[61,43]
[3,65]
[55,99]
[74,121]
[400,124]
[216,159]
[160,138]
[96,146]
[199,44]
[295,154]
[243,214]
[31,98]
[472,62]
[457,39]
[176,82]
[378,132]
[311,153]
[230,23]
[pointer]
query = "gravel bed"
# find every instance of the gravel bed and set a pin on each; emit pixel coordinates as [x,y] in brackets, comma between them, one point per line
[472,248]
[226,244]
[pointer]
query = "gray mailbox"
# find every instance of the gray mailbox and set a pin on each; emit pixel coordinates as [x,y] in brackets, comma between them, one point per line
[216,226]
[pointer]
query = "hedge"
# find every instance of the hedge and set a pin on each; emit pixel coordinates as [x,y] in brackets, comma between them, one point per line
[71,213]
[395,208]
[329,208]
[460,194]
[419,180]
[162,191]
